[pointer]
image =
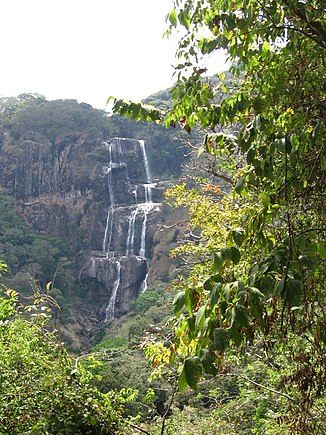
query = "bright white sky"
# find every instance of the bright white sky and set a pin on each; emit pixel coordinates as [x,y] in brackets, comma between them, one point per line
[85,49]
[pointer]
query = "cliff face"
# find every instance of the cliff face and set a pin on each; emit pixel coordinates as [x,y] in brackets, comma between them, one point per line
[101,191]
[122,238]
[77,181]
[55,185]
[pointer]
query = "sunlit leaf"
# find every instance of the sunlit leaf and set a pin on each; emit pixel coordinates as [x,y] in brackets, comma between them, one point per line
[200,317]
[179,302]
[182,381]
[173,18]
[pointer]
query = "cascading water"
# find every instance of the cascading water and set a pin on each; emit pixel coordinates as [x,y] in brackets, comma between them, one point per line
[115,246]
[148,199]
[119,149]
[109,313]
[131,232]
[110,216]
[108,231]
[144,285]
[143,150]
[142,252]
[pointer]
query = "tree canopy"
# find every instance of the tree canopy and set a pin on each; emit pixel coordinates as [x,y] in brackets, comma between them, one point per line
[258,243]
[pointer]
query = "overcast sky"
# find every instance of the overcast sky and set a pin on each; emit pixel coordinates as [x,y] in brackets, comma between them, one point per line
[86,50]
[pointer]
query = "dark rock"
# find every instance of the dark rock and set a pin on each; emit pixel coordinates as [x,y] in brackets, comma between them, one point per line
[99,195]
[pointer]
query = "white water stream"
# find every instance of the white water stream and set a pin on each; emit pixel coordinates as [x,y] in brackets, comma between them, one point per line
[109,314]
[136,211]
[131,232]
[110,216]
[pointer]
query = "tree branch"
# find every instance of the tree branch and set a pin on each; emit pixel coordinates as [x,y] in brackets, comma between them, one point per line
[168,408]
[279,393]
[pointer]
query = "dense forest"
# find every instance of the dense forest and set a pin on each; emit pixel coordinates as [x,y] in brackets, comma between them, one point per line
[232,341]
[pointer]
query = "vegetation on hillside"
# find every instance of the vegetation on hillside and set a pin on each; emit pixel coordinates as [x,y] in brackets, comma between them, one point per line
[248,331]
[57,118]
[43,390]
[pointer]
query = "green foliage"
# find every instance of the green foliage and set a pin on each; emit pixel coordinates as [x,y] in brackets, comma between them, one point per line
[53,118]
[110,343]
[31,256]
[44,391]
[146,300]
[257,246]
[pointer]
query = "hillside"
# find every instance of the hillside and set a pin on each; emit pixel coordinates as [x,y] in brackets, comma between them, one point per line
[80,207]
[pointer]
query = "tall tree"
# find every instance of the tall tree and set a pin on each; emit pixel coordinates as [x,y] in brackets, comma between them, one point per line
[260,268]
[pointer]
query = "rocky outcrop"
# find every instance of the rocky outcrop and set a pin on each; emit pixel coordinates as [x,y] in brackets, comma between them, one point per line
[122,246]
[118,281]
[97,194]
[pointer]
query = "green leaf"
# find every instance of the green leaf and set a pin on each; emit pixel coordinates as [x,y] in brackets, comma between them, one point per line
[220,339]
[215,294]
[191,322]
[228,22]
[264,199]
[235,255]
[267,284]
[207,359]
[293,289]
[240,185]
[189,300]
[307,262]
[238,236]
[240,316]
[265,48]
[209,283]
[173,18]
[226,254]
[255,297]
[251,155]
[184,18]
[193,371]
[182,381]
[200,318]
[279,288]
[179,302]
[321,249]
[218,262]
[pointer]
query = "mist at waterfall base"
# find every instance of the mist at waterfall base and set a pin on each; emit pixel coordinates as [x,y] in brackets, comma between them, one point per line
[129,207]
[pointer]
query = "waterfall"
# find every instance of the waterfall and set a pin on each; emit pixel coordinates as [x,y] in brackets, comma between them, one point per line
[135,193]
[137,220]
[110,185]
[148,196]
[131,232]
[119,149]
[142,252]
[144,285]
[110,216]
[143,150]
[108,230]
[148,200]
[110,308]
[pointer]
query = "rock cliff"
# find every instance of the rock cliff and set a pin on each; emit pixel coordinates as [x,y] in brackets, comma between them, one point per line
[123,236]
[100,195]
